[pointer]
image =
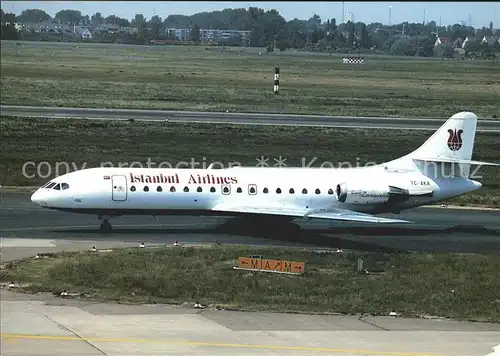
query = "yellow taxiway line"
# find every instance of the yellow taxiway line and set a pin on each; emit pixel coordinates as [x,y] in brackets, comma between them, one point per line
[211,344]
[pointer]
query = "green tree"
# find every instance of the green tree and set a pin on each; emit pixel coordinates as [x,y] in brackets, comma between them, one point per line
[363,41]
[156,24]
[9,31]
[97,19]
[33,16]
[7,18]
[314,23]
[352,33]
[72,17]
[400,47]
[139,22]
[421,46]
[333,25]
[195,33]
[117,21]
[496,47]
[443,50]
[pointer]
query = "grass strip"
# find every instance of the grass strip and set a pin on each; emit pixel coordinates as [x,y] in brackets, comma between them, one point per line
[241,80]
[460,286]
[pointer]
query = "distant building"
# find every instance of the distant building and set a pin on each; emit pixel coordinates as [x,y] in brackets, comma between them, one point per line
[105,29]
[490,40]
[86,34]
[458,43]
[181,34]
[217,35]
[466,40]
[442,40]
[128,30]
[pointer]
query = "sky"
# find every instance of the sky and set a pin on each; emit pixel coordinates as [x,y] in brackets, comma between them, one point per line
[481,13]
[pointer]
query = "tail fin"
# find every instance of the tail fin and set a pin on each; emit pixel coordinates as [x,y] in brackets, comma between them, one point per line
[451,144]
[453,141]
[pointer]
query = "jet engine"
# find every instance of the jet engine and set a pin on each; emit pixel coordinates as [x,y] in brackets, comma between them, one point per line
[366,193]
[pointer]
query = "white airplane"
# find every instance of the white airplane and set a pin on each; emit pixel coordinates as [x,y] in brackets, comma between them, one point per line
[437,170]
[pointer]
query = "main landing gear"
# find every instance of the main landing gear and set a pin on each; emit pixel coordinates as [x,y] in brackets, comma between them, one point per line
[105,225]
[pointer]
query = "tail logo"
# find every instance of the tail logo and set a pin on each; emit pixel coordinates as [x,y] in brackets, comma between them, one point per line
[455,139]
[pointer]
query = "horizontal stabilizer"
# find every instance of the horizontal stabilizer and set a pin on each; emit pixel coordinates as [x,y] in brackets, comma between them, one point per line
[457,161]
[332,214]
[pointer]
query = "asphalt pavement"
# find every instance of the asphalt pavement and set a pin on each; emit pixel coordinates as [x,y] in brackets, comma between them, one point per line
[433,229]
[431,124]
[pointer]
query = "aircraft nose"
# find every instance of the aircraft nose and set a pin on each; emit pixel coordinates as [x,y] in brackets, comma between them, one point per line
[35,198]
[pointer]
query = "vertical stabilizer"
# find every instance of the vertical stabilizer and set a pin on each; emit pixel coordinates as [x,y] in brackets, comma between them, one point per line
[454,140]
[451,143]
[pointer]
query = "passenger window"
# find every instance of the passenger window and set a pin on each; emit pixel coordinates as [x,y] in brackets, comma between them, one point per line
[57,187]
[146,188]
[199,190]
[292,191]
[50,185]
[65,186]
[330,191]
[278,190]
[304,191]
[317,191]
[212,190]
[159,189]
[225,190]
[186,189]
[132,188]
[265,190]
[252,189]
[239,190]
[172,189]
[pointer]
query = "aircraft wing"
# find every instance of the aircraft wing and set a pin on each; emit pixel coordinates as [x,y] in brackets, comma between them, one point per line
[331,214]
[457,161]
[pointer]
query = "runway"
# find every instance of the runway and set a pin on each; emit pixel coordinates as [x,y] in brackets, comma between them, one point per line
[434,229]
[431,124]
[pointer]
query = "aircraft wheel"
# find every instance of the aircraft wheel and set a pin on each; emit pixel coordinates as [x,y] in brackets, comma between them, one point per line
[106,226]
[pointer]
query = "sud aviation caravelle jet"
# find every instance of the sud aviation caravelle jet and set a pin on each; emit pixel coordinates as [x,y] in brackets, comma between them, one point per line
[437,170]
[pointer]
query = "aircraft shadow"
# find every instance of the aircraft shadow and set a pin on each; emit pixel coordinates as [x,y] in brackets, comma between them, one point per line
[405,231]
[350,230]
[304,237]
[326,238]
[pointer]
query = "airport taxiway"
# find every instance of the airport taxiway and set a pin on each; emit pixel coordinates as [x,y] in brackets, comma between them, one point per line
[49,325]
[434,229]
[431,124]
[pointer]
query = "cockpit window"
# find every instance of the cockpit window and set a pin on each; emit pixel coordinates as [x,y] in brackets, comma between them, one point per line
[50,185]
[57,187]
[64,186]
[46,184]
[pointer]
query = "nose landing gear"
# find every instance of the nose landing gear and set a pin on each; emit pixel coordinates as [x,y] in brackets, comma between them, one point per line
[105,225]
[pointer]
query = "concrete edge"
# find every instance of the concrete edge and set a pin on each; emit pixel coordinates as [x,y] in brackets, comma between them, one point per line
[26,189]
[29,189]
[460,207]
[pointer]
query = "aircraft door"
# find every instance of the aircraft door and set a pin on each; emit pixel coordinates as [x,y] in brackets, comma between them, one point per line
[119,185]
